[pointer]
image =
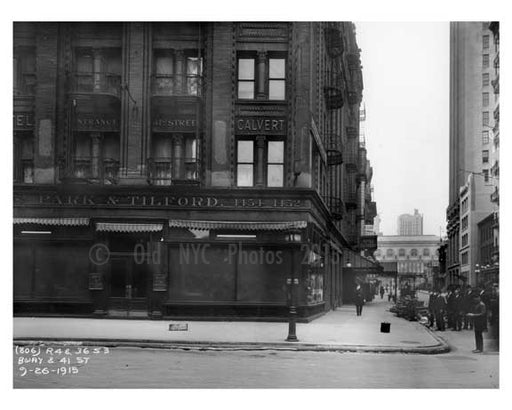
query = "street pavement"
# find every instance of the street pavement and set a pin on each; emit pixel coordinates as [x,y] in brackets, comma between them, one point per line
[340,350]
[339,330]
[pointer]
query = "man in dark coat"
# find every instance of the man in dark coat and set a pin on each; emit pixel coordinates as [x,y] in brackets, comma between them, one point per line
[359,300]
[466,307]
[450,308]
[457,306]
[479,315]
[440,306]
[431,309]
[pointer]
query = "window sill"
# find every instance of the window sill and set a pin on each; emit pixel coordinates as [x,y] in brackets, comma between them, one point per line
[263,102]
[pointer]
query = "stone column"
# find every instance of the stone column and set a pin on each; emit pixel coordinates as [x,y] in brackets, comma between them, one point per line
[177,160]
[179,80]
[96,166]
[260,75]
[260,161]
[97,69]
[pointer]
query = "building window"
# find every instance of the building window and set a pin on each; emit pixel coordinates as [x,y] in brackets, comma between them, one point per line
[275,163]
[390,252]
[246,78]
[464,258]
[245,163]
[485,156]
[177,72]
[426,252]
[485,118]
[485,99]
[485,41]
[485,79]
[464,223]
[259,161]
[464,241]
[163,72]
[485,61]
[401,252]
[24,71]
[414,252]
[262,76]
[276,79]
[485,137]
[486,175]
[23,160]
[194,70]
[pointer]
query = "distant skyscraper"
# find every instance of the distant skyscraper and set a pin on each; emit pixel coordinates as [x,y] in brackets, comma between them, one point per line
[410,225]
[474,145]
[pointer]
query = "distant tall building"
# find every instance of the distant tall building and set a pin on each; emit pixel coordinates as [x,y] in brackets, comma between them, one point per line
[410,225]
[474,118]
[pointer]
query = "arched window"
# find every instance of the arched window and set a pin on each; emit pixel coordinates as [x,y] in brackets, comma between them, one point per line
[414,252]
[390,252]
[401,252]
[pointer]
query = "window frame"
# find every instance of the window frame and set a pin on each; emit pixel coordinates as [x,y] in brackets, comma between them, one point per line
[276,56]
[485,137]
[253,163]
[246,56]
[485,79]
[268,163]
[485,99]
[485,61]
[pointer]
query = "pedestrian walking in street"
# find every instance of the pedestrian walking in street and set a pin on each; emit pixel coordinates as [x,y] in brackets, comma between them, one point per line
[359,300]
[440,309]
[479,315]
[382,292]
[466,307]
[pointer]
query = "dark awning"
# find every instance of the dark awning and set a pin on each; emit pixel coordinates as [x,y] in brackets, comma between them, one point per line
[53,221]
[237,225]
[128,227]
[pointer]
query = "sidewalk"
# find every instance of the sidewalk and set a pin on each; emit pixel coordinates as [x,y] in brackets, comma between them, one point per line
[339,330]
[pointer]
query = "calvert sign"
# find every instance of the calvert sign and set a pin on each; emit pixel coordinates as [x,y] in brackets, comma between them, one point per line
[260,125]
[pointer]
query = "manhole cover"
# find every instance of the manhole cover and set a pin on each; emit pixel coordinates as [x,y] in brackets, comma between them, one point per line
[409,342]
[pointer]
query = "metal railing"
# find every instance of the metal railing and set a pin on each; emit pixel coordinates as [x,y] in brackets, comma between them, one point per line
[96,83]
[177,171]
[334,41]
[333,149]
[107,169]
[335,206]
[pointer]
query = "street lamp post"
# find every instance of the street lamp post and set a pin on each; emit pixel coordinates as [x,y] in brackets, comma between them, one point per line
[292,282]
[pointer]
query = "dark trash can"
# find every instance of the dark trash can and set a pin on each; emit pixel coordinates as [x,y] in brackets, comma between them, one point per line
[385,327]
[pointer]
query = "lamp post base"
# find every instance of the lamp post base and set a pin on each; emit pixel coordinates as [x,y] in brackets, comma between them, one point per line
[292,328]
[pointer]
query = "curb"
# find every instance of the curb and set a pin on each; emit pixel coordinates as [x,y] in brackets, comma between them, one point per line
[441,347]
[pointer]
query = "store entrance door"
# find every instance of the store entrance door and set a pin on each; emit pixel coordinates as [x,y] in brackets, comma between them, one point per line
[128,287]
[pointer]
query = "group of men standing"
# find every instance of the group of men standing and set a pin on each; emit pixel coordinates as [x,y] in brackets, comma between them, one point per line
[464,310]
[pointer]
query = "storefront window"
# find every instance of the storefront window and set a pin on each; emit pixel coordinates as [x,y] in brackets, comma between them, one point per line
[315,279]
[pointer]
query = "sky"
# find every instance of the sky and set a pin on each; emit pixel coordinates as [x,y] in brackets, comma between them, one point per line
[406,93]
